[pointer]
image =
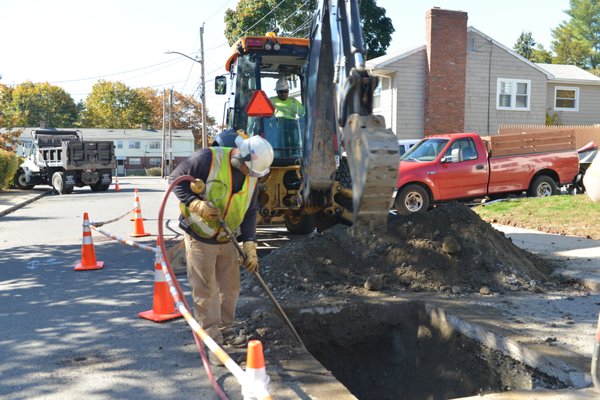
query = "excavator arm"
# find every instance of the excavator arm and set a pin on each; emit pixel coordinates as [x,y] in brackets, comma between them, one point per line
[339,107]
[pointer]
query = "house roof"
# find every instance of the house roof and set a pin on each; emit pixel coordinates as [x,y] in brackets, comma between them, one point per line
[380,63]
[570,74]
[121,134]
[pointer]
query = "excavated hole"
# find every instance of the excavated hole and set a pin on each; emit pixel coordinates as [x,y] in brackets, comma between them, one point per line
[400,351]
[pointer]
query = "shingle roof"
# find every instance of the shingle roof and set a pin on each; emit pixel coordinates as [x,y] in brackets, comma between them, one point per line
[570,74]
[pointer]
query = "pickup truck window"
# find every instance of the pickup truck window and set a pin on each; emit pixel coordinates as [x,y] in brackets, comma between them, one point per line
[467,147]
[425,150]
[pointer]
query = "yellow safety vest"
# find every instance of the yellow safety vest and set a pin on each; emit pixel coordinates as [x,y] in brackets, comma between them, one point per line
[288,109]
[232,206]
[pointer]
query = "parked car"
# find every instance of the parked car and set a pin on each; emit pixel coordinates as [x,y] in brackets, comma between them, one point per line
[406,144]
[462,167]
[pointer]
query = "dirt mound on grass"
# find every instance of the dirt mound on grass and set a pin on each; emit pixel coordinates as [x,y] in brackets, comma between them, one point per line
[449,249]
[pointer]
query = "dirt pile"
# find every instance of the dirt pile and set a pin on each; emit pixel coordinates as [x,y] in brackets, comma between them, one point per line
[449,249]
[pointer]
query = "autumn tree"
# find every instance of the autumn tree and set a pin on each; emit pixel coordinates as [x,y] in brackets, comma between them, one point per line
[294,18]
[114,105]
[28,104]
[577,41]
[187,112]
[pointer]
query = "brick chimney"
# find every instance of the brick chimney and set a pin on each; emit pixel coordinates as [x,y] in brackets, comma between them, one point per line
[445,75]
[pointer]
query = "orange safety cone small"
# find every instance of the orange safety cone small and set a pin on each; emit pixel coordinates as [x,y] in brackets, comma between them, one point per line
[136,204]
[256,374]
[163,307]
[117,188]
[88,255]
[138,221]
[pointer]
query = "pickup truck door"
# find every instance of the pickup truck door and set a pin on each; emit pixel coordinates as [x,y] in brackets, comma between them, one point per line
[466,174]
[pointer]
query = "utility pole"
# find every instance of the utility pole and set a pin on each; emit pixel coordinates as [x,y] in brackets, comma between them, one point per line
[170,131]
[164,134]
[202,89]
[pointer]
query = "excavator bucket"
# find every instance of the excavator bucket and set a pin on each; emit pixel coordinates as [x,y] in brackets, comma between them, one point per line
[372,152]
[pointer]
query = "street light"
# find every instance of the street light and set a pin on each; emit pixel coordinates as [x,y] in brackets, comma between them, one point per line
[202,96]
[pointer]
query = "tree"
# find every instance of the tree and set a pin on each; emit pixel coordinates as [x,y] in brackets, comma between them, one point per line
[6,120]
[294,18]
[114,105]
[527,47]
[577,41]
[30,104]
[187,112]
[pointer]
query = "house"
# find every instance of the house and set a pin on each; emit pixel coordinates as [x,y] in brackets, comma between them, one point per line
[135,149]
[462,80]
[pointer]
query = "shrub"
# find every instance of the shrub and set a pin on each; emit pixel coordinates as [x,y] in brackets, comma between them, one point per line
[9,163]
[154,171]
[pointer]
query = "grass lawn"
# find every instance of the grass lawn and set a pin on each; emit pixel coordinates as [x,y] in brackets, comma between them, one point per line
[566,215]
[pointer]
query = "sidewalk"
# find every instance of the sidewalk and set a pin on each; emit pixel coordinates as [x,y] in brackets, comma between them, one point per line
[575,258]
[13,199]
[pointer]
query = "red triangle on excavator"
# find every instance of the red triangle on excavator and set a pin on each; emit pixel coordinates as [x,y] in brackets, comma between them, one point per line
[260,105]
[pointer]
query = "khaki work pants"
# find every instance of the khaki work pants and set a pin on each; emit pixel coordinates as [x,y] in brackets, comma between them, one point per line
[214,274]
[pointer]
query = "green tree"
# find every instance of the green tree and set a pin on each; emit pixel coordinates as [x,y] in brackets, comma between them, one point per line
[31,103]
[541,55]
[6,113]
[528,48]
[114,105]
[294,18]
[577,41]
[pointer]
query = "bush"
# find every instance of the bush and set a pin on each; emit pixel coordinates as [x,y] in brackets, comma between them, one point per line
[9,164]
[154,171]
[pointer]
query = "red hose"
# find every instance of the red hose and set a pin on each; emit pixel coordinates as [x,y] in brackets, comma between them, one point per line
[163,250]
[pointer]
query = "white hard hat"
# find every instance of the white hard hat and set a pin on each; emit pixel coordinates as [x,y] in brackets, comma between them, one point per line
[256,153]
[282,84]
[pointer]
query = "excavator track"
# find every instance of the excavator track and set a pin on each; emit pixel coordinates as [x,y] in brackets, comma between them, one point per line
[372,152]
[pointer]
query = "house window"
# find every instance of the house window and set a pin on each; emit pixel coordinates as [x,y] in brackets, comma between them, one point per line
[119,144]
[154,144]
[154,161]
[513,94]
[134,161]
[134,145]
[377,96]
[566,98]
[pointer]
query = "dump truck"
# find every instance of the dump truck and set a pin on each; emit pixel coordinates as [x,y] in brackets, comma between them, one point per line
[63,160]
[335,162]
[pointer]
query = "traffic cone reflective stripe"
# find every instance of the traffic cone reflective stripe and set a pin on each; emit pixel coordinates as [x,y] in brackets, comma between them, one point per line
[256,374]
[117,188]
[163,307]
[88,255]
[138,221]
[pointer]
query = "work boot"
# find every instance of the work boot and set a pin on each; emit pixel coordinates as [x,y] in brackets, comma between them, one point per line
[233,339]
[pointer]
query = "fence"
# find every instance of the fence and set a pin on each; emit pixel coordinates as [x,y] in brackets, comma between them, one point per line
[583,133]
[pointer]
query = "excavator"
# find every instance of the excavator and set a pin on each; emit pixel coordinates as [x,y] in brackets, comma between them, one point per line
[335,162]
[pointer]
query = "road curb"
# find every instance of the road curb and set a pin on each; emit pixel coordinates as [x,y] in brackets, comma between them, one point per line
[24,203]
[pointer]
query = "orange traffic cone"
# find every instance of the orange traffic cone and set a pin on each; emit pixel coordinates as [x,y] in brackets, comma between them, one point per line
[138,221]
[163,307]
[117,188]
[88,255]
[256,372]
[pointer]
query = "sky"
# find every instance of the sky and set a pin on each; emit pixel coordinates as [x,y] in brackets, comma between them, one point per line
[75,43]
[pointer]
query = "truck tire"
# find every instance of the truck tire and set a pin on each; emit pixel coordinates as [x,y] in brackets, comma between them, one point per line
[299,224]
[411,199]
[21,181]
[542,186]
[58,182]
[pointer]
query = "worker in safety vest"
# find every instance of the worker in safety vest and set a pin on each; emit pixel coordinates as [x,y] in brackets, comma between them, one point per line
[288,112]
[230,176]
[285,106]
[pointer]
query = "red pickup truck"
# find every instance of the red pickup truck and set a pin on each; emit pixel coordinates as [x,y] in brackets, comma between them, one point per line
[461,166]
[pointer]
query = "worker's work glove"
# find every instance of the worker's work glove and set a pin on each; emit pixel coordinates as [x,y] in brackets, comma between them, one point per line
[204,210]
[198,186]
[251,257]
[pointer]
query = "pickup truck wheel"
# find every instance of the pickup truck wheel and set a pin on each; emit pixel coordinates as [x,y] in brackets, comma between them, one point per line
[411,199]
[298,224]
[542,186]
[21,181]
[58,183]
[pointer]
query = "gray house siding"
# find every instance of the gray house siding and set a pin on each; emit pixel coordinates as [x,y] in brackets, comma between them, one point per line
[408,79]
[589,104]
[486,62]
